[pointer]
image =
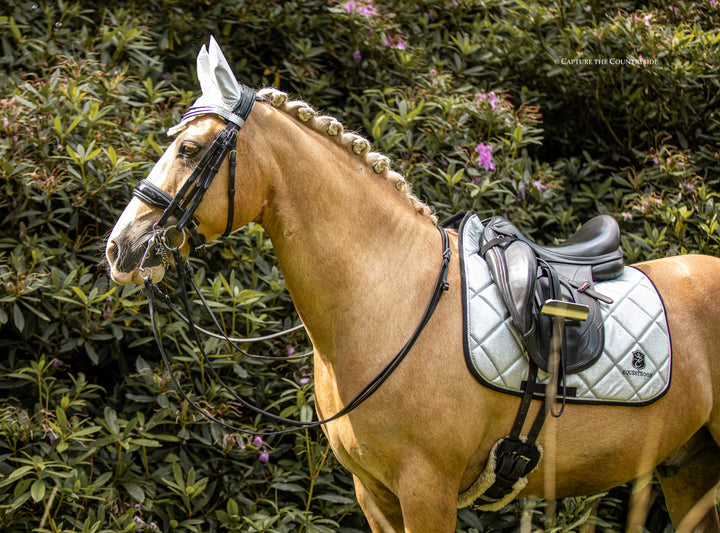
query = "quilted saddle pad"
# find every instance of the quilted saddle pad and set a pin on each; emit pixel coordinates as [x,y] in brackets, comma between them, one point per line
[634,368]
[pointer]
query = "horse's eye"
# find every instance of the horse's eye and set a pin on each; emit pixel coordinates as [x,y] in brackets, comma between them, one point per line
[188,149]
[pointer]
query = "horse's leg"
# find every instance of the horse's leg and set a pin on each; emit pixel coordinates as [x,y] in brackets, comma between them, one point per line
[380,506]
[424,509]
[689,481]
[428,499]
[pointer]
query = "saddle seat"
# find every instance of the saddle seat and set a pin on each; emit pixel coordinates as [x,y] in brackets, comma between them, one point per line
[596,243]
[528,275]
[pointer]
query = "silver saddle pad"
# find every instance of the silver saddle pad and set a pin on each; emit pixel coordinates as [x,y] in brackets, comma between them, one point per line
[634,368]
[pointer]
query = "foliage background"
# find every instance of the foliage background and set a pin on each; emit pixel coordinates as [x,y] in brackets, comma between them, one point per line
[546,113]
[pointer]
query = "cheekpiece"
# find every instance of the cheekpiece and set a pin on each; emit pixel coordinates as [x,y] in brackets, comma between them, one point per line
[221,92]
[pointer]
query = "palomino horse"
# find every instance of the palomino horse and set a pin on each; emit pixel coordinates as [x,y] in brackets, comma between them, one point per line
[360,255]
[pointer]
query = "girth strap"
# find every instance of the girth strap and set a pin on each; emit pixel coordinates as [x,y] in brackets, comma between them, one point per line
[515,457]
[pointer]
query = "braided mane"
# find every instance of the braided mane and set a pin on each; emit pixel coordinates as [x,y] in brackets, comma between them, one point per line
[354,143]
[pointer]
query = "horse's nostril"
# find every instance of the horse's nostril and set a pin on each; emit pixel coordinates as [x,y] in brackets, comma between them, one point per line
[111,252]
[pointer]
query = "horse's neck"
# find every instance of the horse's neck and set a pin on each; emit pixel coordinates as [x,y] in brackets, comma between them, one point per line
[357,259]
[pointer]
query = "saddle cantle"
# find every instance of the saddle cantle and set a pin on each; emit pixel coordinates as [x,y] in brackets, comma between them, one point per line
[528,274]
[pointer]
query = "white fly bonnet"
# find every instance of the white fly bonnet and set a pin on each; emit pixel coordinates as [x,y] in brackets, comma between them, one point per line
[221,92]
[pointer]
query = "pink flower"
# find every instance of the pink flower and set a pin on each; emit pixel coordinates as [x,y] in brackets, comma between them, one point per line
[485,158]
[264,457]
[356,55]
[361,7]
[490,98]
[394,41]
[539,185]
[258,442]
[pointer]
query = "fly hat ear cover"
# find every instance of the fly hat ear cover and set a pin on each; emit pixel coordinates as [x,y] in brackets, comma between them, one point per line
[221,92]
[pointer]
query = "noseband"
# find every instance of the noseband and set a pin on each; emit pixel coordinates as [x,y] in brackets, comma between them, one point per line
[183,205]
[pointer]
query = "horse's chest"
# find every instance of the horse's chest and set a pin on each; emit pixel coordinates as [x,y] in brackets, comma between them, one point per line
[348,440]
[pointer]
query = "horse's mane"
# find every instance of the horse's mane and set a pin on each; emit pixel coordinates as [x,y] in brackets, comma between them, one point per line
[354,143]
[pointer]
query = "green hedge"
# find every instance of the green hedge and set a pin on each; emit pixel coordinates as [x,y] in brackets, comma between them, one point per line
[545,114]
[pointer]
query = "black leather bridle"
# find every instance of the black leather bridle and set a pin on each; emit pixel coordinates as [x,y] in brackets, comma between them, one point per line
[183,205]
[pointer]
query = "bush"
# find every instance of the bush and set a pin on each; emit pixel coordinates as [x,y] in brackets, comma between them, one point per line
[547,114]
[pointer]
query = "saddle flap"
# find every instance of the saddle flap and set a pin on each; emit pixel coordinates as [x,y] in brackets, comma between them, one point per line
[514,270]
[584,340]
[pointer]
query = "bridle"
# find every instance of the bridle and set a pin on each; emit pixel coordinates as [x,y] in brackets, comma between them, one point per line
[182,206]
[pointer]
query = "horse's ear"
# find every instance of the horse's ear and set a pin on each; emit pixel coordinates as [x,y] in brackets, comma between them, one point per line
[218,77]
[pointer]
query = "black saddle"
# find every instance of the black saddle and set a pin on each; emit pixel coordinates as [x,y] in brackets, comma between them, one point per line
[528,275]
[596,243]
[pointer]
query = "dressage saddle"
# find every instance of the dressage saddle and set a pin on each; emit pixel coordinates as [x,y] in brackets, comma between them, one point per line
[530,278]
[529,275]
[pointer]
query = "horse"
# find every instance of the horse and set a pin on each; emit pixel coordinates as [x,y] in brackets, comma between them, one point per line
[359,254]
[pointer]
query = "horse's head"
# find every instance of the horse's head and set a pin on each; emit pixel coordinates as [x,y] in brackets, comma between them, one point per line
[188,198]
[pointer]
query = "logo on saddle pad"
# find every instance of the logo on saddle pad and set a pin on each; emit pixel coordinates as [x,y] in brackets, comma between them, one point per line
[638,363]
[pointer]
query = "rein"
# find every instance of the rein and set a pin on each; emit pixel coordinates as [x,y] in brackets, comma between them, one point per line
[185,272]
[182,207]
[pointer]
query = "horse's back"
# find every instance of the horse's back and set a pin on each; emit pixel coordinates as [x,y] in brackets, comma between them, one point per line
[690,289]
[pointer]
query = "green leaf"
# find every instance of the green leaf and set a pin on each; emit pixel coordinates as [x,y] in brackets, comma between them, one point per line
[177,474]
[335,498]
[135,490]
[150,443]
[73,154]
[15,30]
[18,317]
[73,124]
[91,353]
[37,490]
[112,156]
[58,125]
[16,474]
